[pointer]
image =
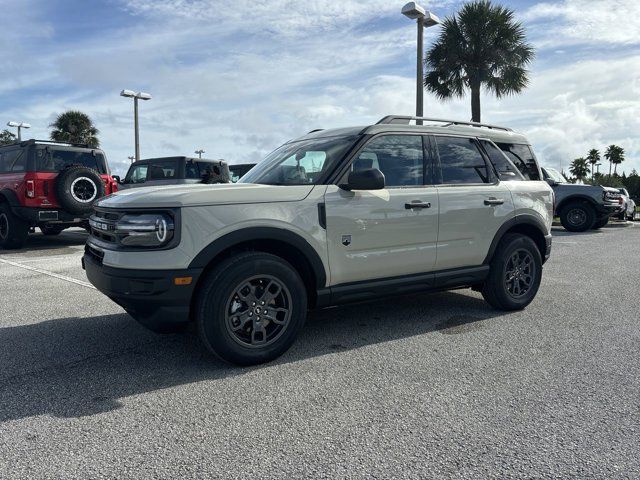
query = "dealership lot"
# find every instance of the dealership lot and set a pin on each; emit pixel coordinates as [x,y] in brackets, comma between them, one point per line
[427,385]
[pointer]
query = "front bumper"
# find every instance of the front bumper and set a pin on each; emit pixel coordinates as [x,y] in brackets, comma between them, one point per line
[609,208]
[149,296]
[37,216]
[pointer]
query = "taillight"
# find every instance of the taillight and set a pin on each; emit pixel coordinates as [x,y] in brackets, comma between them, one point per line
[31,189]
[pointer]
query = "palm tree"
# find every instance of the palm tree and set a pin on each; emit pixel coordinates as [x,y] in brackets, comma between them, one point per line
[615,156]
[593,157]
[482,46]
[579,168]
[74,126]
[7,137]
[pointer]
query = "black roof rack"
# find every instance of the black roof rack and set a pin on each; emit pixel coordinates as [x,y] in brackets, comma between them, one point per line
[405,119]
[316,130]
[53,142]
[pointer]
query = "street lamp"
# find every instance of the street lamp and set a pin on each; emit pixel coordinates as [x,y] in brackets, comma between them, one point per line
[424,20]
[136,96]
[19,126]
[199,152]
[131,158]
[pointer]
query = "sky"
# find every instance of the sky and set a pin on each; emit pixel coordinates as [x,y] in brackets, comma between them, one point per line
[238,78]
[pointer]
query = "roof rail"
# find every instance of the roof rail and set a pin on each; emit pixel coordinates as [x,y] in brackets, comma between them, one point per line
[316,130]
[53,142]
[405,119]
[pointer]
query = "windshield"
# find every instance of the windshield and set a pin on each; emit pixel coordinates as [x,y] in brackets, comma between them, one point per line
[49,159]
[555,175]
[299,163]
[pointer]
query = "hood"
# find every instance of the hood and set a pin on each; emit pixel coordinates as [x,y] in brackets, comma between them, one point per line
[583,188]
[204,194]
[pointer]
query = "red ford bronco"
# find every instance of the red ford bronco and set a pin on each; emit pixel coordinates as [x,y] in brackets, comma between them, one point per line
[50,185]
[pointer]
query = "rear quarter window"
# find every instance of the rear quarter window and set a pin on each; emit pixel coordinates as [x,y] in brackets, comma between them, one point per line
[523,158]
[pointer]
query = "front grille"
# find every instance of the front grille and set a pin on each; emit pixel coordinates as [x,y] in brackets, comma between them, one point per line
[103,225]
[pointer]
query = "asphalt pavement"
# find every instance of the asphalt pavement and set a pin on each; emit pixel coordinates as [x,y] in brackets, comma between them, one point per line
[425,386]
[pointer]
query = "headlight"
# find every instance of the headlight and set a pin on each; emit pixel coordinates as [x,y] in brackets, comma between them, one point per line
[145,230]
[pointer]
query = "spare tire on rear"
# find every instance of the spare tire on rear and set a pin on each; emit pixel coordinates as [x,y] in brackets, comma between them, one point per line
[77,188]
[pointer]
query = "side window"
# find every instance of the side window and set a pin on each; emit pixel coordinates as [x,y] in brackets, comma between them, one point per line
[138,174]
[461,161]
[13,161]
[399,157]
[3,168]
[161,170]
[523,158]
[191,170]
[504,168]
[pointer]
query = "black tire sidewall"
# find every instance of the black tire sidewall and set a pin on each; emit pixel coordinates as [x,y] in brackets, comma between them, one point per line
[219,285]
[587,225]
[63,189]
[509,245]
[18,229]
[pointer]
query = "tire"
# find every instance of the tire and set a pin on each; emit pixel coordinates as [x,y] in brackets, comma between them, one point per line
[13,230]
[601,222]
[577,217]
[77,188]
[51,230]
[497,290]
[229,302]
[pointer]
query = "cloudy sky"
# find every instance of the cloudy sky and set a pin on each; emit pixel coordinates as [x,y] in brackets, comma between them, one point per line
[237,78]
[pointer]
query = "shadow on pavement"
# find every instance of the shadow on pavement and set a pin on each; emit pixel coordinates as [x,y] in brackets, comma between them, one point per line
[63,242]
[74,367]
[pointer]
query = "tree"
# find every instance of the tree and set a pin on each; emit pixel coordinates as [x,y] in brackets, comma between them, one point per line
[579,168]
[593,157]
[482,46]
[6,137]
[615,156]
[74,127]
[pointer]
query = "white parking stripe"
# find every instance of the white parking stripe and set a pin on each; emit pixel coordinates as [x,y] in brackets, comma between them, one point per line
[45,272]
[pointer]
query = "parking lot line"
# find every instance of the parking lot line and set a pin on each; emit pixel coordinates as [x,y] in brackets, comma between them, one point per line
[45,272]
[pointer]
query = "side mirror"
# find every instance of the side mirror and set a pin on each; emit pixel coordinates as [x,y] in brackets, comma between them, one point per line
[552,183]
[367,179]
[116,178]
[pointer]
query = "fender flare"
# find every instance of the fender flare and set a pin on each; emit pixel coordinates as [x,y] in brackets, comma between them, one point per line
[527,220]
[243,235]
[576,198]
[10,196]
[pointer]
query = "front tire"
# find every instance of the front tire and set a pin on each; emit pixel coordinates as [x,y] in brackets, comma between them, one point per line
[13,230]
[515,273]
[250,308]
[577,217]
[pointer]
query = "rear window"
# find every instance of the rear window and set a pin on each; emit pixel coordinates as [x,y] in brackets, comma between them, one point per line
[49,159]
[523,158]
[505,169]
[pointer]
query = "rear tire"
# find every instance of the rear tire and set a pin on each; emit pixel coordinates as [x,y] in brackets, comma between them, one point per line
[250,308]
[515,273]
[577,217]
[13,230]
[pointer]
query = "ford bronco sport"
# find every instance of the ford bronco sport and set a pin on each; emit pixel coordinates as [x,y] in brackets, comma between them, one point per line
[582,207]
[335,216]
[49,185]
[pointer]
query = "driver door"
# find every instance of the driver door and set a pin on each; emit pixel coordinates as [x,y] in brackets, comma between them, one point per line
[378,234]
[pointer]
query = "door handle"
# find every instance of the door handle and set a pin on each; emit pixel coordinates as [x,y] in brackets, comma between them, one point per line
[493,201]
[417,204]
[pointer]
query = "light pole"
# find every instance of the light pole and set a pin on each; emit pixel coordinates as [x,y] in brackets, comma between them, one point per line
[424,20]
[200,152]
[131,158]
[19,126]
[136,96]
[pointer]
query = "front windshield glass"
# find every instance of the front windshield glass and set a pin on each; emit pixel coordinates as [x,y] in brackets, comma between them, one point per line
[300,163]
[555,175]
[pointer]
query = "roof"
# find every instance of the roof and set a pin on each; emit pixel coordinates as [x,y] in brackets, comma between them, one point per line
[177,158]
[492,132]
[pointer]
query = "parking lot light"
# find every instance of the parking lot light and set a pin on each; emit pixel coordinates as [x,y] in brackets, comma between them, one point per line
[19,126]
[199,153]
[424,19]
[136,96]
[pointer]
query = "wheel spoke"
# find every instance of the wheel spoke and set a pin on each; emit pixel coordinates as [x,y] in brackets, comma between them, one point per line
[241,321]
[272,314]
[258,334]
[268,295]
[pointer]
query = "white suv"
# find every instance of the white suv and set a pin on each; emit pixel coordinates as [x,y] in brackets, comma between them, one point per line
[332,217]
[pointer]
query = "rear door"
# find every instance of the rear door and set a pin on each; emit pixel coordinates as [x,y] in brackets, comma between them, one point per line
[473,202]
[379,234]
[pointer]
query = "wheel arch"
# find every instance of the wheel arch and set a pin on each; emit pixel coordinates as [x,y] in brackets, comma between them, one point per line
[528,225]
[282,243]
[578,199]
[10,197]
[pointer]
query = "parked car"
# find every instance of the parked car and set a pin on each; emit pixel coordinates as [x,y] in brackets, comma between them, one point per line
[50,185]
[174,171]
[238,170]
[582,207]
[335,216]
[629,206]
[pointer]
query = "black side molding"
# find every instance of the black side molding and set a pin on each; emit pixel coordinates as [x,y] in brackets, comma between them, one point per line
[322,215]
